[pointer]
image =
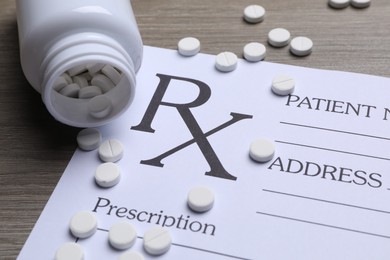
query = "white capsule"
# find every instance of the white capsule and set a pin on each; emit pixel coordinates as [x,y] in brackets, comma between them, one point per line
[89,92]
[89,139]
[122,235]
[81,80]
[107,175]
[338,4]
[111,151]
[226,61]
[254,13]
[262,150]
[77,70]
[103,82]
[157,241]
[279,37]
[83,224]
[94,68]
[111,73]
[69,251]
[360,3]
[99,106]
[67,78]
[200,199]
[283,85]
[71,90]
[254,51]
[301,46]
[188,46]
[60,83]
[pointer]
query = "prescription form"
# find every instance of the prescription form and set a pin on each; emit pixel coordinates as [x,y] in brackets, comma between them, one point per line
[324,195]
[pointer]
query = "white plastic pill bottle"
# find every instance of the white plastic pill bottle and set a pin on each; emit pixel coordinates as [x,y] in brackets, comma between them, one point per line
[61,39]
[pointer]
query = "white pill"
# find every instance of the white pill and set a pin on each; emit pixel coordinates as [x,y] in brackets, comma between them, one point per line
[122,235]
[86,75]
[131,255]
[69,251]
[94,68]
[360,3]
[60,83]
[67,78]
[83,224]
[262,150]
[301,46]
[278,37]
[157,241]
[103,82]
[226,61]
[89,139]
[100,106]
[188,46]
[77,70]
[254,13]
[107,175]
[200,199]
[111,151]
[112,73]
[283,85]
[338,4]
[254,51]
[81,80]
[89,92]
[71,90]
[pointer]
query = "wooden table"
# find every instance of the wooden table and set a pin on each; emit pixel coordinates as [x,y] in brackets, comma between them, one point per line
[35,149]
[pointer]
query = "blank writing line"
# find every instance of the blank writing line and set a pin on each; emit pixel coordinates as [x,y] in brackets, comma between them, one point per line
[332,150]
[335,130]
[327,201]
[323,225]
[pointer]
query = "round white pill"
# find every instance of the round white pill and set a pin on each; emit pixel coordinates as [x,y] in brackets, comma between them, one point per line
[254,13]
[157,241]
[89,92]
[107,175]
[188,46]
[254,51]
[60,83]
[111,73]
[226,61]
[111,151]
[89,139]
[360,3]
[131,255]
[69,251]
[80,80]
[94,68]
[103,82]
[71,90]
[122,235]
[301,46]
[200,199]
[99,106]
[278,37]
[83,224]
[262,150]
[77,70]
[283,85]
[338,4]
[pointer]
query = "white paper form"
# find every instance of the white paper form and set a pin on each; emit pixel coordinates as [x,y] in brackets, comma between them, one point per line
[324,195]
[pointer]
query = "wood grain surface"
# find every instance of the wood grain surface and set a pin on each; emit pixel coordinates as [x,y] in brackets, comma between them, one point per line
[35,149]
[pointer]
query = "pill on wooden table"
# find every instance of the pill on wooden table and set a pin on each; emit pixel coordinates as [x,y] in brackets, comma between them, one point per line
[89,92]
[67,78]
[111,73]
[111,151]
[200,199]
[103,82]
[94,68]
[254,51]
[77,70]
[283,85]
[60,83]
[360,3]
[279,37]
[188,46]
[262,150]
[69,251]
[81,80]
[301,46]
[122,235]
[83,224]
[89,139]
[107,175]
[71,90]
[99,106]
[131,255]
[254,13]
[157,241]
[338,4]
[226,61]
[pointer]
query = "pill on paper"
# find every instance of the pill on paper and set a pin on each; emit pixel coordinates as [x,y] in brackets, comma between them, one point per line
[89,92]
[262,150]
[99,106]
[69,251]
[107,175]
[338,4]
[200,199]
[226,61]
[103,82]
[301,46]
[111,151]
[89,139]
[122,235]
[131,255]
[254,51]
[283,85]
[157,241]
[279,37]
[254,13]
[188,46]
[71,90]
[83,224]
[360,3]
[111,73]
